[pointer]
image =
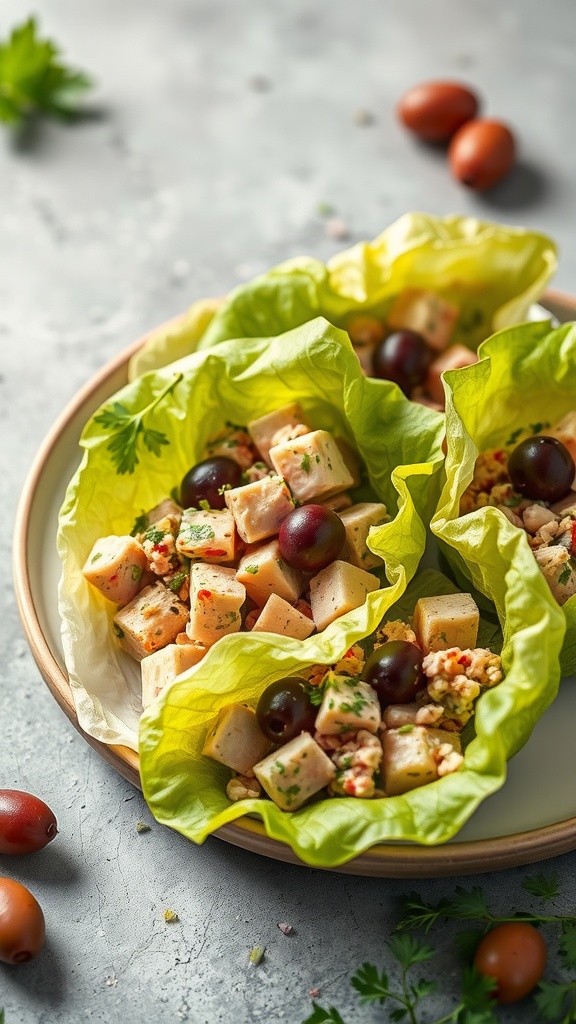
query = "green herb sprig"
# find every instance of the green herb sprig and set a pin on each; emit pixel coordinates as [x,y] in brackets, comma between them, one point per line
[555,1001]
[34,80]
[128,429]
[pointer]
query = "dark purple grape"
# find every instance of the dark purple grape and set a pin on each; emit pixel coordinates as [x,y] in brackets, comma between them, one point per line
[403,357]
[284,710]
[541,468]
[311,537]
[394,670]
[204,481]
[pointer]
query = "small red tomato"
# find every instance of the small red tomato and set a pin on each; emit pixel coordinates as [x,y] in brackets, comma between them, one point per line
[481,153]
[26,823]
[22,927]
[515,955]
[435,110]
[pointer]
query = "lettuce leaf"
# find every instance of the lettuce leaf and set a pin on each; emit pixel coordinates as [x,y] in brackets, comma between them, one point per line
[491,272]
[178,409]
[187,791]
[524,380]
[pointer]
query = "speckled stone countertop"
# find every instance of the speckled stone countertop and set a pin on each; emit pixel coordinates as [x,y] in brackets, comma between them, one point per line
[216,134]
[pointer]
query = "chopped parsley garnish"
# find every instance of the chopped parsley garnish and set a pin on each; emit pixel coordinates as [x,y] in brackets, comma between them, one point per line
[154,535]
[177,581]
[140,525]
[305,463]
[127,430]
[95,557]
[565,574]
[252,569]
[196,532]
[204,505]
[136,573]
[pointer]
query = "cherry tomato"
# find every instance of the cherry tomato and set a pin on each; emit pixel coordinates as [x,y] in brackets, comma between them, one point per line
[481,153]
[22,927]
[435,110]
[515,955]
[26,823]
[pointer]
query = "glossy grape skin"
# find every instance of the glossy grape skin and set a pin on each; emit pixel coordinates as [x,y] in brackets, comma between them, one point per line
[22,927]
[26,823]
[206,479]
[514,954]
[394,670]
[284,710]
[311,537]
[541,468]
[404,358]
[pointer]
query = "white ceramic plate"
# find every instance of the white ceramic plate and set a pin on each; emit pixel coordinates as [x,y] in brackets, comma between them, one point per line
[532,818]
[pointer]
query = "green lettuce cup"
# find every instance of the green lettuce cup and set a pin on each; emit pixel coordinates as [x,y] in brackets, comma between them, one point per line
[523,382]
[492,273]
[140,444]
[188,791]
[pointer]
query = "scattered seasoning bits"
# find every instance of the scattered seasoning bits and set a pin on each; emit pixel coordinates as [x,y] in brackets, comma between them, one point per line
[336,228]
[141,826]
[286,929]
[363,118]
[324,209]
[170,917]
[314,992]
[256,954]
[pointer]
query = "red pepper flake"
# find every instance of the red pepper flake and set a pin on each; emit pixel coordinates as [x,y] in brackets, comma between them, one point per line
[350,787]
[214,552]
[500,455]
[162,549]
[204,595]
[465,660]
[349,654]
[573,539]
[113,578]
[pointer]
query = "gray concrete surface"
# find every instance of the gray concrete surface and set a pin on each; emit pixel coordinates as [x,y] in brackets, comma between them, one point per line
[217,129]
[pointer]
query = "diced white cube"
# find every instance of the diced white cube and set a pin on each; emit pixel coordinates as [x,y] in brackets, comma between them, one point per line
[337,502]
[236,739]
[150,621]
[263,572]
[426,313]
[295,772]
[161,668]
[216,597]
[411,756]
[312,466]
[115,566]
[259,509]
[454,358]
[358,520]
[209,535]
[263,429]
[277,616]
[347,705]
[449,620]
[338,589]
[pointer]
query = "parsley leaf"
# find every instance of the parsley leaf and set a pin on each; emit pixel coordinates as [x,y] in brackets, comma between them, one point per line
[556,1001]
[408,951]
[322,1016]
[568,944]
[127,430]
[546,887]
[373,987]
[34,80]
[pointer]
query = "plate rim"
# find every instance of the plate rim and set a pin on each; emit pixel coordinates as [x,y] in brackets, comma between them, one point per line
[388,860]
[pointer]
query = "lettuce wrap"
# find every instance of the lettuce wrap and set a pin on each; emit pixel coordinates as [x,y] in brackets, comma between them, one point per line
[524,380]
[491,272]
[187,791]
[137,449]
